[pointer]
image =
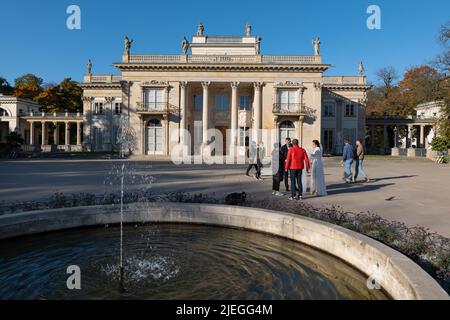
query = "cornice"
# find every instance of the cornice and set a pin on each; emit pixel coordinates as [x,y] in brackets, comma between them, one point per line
[220,67]
[100,85]
[347,87]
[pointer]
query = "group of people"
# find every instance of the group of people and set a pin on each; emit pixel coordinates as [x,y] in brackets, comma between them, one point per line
[290,160]
[350,155]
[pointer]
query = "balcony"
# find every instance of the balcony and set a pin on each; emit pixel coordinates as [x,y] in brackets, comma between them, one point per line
[289,109]
[155,108]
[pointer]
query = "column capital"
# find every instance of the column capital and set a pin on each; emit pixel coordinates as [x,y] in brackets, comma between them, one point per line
[88,99]
[183,84]
[109,99]
[258,85]
[234,84]
[205,84]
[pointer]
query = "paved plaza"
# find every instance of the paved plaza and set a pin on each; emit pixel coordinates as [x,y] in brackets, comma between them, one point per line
[412,191]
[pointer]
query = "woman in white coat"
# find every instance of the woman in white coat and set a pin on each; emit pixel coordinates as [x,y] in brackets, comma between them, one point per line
[317,175]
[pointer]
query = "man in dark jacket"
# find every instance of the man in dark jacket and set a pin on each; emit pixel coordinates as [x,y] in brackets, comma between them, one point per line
[284,151]
[348,155]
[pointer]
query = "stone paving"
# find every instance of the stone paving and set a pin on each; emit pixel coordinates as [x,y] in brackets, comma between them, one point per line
[413,191]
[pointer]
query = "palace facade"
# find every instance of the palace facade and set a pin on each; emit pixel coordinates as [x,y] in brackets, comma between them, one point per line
[222,83]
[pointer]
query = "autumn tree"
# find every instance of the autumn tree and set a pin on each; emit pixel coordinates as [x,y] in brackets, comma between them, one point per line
[65,96]
[383,97]
[419,85]
[28,86]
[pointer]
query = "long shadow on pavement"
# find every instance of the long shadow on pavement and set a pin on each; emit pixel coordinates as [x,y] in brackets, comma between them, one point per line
[338,188]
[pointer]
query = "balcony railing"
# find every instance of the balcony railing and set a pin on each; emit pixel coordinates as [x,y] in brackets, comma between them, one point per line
[344,80]
[155,107]
[289,108]
[254,59]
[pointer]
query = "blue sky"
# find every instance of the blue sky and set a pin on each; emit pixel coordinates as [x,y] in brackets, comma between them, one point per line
[35,38]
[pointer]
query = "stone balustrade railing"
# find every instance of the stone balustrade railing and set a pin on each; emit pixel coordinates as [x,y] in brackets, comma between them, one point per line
[54,115]
[259,59]
[360,80]
[101,78]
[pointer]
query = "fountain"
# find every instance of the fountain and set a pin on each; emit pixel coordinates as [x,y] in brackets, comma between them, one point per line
[126,140]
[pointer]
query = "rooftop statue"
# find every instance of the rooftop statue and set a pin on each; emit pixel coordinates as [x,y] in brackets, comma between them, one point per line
[128,43]
[316,43]
[89,66]
[258,45]
[248,29]
[184,45]
[200,29]
[361,68]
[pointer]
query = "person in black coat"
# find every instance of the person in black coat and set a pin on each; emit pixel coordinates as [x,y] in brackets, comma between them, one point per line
[284,151]
[277,169]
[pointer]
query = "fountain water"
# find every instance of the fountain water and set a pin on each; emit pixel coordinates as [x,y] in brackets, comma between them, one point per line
[126,140]
[120,275]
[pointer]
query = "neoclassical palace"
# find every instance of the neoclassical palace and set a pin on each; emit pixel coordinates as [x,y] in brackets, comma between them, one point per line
[222,83]
[219,90]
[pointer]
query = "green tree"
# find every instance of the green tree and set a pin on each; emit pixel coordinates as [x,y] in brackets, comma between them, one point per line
[5,87]
[29,79]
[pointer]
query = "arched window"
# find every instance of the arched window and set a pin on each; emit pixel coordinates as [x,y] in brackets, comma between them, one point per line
[4,113]
[287,125]
[154,123]
[287,130]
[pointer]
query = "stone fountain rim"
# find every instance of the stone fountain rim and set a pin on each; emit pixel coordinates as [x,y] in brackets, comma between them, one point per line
[399,276]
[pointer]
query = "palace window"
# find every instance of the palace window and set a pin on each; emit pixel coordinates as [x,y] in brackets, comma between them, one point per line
[98,108]
[244,103]
[198,103]
[287,99]
[118,107]
[154,98]
[328,110]
[221,102]
[350,110]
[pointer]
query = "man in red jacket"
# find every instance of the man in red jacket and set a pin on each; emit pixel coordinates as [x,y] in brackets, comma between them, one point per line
[296,160]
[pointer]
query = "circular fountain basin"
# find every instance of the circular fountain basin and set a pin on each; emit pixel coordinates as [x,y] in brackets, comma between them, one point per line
[175,262]
[285,268]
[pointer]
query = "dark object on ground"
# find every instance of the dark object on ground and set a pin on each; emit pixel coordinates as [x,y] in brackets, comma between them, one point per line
[235,198]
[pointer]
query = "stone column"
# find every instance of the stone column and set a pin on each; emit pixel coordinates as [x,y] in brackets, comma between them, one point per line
[44,134]
[422,137]
[257,113]
[56,133]
[32,133]
[67,137]
[409,137]
[143,129]
[183,112]
[205,115]
[166,134]
[79,133]
[234,117]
